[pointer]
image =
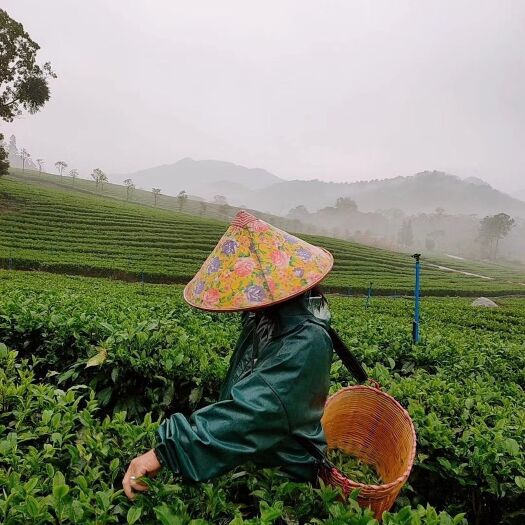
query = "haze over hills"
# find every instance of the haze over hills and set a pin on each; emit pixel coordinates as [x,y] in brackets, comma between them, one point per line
[205,178]
[420,193]
[260,189]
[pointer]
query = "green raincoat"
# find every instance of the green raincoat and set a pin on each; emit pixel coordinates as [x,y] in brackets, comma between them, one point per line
[275,389]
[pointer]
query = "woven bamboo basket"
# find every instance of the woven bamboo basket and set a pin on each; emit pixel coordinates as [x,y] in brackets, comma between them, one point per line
[369,424]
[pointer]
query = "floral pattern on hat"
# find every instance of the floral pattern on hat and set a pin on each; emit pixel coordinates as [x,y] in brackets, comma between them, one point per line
[255,265]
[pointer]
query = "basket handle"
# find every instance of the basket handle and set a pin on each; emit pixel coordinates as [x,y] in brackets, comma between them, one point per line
[374,384]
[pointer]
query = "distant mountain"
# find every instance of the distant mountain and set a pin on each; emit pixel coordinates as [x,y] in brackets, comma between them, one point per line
[259,189]
[203,177]
[423,192]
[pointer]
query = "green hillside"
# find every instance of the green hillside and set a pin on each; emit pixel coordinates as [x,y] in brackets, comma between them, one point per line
[70,231]
[193,205]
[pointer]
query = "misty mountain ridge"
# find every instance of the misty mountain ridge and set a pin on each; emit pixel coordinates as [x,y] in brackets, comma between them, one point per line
[203,177]
[257,188]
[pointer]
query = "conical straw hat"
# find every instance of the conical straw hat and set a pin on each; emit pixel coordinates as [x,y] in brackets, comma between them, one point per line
[255,265]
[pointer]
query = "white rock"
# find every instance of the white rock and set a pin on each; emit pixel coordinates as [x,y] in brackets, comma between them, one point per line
[483,301]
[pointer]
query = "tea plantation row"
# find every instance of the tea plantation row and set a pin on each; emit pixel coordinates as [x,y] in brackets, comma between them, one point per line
[149,353]
[67,232]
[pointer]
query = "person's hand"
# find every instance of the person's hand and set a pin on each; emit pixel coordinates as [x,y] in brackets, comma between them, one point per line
[145,465]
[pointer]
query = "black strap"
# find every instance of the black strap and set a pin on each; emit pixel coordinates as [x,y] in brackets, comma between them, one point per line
[355,368]
[315,452]
[348,359]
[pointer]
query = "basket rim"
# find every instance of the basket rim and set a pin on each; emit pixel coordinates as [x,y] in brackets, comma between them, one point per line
[403,477]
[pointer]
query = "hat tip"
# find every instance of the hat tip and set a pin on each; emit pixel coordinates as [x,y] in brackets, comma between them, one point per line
[242,218]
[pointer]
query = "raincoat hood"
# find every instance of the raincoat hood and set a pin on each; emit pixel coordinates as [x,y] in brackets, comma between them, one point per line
[256,265]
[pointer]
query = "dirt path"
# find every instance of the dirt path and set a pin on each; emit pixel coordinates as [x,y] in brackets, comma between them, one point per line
[447,269]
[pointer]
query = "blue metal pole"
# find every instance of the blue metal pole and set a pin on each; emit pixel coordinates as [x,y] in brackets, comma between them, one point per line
[415,324]
[369,295]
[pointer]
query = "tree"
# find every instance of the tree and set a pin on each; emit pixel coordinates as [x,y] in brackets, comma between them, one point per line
[182,197]
[13,150]
[202,208]
[40,163]
[23,83]
[156,194]
[493,228]
[102,178]
[130,187]
[61,166]
[220,200]
[4,163]
[299,213]
[24,155]
[405,237]
[98,176]
[346,204]
[73,174]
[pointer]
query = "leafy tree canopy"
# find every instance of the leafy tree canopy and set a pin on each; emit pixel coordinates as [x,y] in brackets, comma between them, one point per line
[493,228]
[346,204]
[23,83]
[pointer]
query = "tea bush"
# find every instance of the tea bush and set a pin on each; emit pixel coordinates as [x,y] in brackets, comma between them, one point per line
[61,463]
[149,353]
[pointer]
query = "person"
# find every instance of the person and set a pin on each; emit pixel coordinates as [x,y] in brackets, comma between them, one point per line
[274,393]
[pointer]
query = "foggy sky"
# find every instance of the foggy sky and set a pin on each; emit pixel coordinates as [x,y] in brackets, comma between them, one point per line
[336,90]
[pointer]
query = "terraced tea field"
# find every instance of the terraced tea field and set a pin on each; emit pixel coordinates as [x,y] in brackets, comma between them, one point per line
[64,442]
[64,231]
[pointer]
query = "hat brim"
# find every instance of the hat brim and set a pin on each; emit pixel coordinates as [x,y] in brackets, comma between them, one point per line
[261,305]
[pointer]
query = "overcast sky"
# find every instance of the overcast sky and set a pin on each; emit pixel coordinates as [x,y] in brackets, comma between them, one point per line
[336,90]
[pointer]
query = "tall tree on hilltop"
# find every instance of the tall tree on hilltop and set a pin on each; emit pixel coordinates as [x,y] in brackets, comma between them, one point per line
[61,166]
[24,155]
[182,197]
[156,194]
[23,83]
[73,174]
[40,163]
[130,187]
[103,178]
[4,162]
[98,176]
[493,228]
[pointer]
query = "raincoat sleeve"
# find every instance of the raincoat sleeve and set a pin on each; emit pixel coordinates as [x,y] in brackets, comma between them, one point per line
[218,437]
[280,396]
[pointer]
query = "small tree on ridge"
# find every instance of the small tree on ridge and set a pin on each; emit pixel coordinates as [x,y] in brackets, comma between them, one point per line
[61,166]
[156,194]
